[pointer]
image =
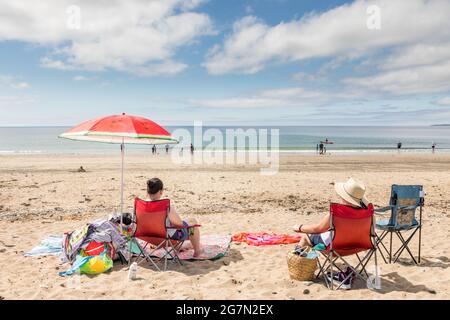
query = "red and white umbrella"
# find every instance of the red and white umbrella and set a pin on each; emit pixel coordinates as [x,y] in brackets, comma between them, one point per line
[120,129]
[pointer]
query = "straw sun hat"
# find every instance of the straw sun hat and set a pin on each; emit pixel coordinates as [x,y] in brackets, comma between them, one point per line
[352,191]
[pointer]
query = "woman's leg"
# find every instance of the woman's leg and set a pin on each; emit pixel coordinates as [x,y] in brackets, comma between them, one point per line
[304,241]
[195,238]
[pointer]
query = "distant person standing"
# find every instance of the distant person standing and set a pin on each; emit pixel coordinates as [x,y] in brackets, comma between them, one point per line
[154,150]
[317,148]
[192,148]
[321,148]
[167,149]
[433,147]
[399,146]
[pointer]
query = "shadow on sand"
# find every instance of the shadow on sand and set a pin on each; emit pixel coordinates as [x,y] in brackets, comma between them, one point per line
[191,268]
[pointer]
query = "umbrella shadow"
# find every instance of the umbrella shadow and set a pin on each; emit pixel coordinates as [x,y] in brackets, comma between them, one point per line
[393,282]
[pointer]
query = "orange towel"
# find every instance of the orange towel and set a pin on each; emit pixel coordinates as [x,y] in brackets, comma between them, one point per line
[265,239]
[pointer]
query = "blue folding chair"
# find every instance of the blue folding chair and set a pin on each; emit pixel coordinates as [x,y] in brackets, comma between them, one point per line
[403,204]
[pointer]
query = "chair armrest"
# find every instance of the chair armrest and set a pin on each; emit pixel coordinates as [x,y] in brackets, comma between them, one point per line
[184,227]
[407,207]
[383,209]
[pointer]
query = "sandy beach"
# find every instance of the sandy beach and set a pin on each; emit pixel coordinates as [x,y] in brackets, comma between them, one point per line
[44,194]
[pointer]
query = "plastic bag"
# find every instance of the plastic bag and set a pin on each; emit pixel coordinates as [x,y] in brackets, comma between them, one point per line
[90,265]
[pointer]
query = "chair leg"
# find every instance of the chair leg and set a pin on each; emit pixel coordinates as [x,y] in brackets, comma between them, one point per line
[405,246]
[420,231]
[165,256]
[331,268]
[363,265]
[379,240]
[420,240]
[355,269]
[146,256]
[390,248]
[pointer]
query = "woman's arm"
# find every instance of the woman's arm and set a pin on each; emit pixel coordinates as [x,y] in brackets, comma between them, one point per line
[174,218]
[322,226]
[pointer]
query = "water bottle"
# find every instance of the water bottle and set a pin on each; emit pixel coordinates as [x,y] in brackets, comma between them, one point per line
[132,273]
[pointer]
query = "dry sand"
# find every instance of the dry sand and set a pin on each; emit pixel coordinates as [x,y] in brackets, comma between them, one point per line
[43,194]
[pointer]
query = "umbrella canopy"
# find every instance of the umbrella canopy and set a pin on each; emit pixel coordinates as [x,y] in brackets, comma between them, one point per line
[120,129]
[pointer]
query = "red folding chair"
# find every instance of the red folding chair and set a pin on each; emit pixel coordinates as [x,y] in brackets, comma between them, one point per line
[152,227]
[352,232]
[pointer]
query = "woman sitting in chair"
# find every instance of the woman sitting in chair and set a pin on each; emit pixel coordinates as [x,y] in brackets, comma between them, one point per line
[351,193]
[155,189]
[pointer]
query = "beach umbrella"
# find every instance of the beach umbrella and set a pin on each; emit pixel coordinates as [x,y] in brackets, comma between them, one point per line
[120,129]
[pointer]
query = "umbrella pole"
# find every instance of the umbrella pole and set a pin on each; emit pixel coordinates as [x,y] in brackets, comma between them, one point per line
[122,151]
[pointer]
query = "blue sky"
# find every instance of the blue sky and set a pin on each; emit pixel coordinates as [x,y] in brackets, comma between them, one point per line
[255,62]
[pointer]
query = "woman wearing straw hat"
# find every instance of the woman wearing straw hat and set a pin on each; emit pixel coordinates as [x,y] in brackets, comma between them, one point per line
[351,193]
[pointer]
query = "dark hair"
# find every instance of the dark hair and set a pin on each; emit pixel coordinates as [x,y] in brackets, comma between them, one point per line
[154,186]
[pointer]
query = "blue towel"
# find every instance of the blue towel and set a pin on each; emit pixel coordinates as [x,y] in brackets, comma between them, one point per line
[52,245]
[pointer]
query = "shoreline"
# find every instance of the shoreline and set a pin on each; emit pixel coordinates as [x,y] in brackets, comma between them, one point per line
[356,152]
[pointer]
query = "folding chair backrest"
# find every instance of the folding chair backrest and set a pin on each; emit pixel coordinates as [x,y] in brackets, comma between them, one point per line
[404,201]
[151,218]
[352,228]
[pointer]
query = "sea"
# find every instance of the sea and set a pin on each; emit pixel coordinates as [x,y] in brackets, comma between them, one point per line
[292,139]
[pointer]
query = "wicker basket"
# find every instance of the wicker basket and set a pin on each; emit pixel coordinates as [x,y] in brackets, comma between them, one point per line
[301,268]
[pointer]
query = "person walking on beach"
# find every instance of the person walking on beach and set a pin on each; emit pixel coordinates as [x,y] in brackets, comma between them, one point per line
[399,146]
[155,190]
[154,149]
[433,147]
[321,148]
[167,149]
[192,148]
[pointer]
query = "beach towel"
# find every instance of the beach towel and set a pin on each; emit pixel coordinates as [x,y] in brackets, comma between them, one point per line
[265,239]
[214,247]
[52,245]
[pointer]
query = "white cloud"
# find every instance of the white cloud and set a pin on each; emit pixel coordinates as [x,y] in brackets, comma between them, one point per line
[411,79]
[444,101]
[278,98]
[12,82]
[340,32]
[417,55]
[81,78]
[8,101]
[137,36]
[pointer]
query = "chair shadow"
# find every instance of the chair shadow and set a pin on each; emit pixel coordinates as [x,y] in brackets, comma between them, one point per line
[443,262]
[192,267]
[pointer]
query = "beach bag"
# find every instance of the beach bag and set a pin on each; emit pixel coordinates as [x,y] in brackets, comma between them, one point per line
[72,242]
[302,268]
[89,265]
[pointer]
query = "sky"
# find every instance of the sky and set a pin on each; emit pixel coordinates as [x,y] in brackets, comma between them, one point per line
[233,62]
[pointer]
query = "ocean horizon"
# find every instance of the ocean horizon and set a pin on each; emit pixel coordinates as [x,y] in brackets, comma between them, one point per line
[292,139]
